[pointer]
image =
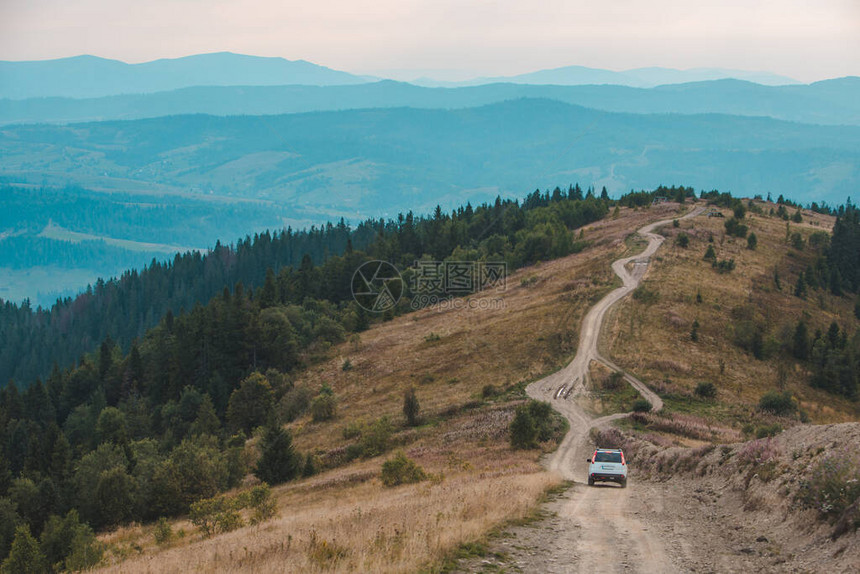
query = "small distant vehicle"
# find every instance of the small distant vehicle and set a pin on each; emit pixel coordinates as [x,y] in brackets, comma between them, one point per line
[607,465]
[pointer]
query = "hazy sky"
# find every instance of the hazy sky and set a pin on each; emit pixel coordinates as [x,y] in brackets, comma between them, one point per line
[805,39]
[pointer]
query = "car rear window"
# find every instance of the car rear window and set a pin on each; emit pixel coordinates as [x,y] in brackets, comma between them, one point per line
[608,457]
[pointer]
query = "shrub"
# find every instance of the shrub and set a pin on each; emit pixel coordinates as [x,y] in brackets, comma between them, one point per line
[218,514]
[641,405]
[523,431]
[706,390]
[294,403]
[376,437]
[724,265]
[162,532]
[401,470]
[735,227]
[489,391]
[323,408]
[710,254]
[766,431]
[683,240]
[411,407]
[774,402]
[351,431]
[833,484]
[752,242]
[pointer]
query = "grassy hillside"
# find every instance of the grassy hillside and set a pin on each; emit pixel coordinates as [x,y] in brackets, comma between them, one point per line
[651,334]
[468,367]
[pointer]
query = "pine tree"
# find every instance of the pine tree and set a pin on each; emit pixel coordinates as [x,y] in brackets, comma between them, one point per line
[279,461]
[25,557]
[207,421]
[411,407]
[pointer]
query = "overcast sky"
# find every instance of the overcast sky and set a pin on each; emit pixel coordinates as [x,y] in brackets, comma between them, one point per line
[804,39]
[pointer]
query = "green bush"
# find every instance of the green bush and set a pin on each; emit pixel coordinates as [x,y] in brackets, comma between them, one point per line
[766,431]
[735,227]
[683,240]
[294,403]
[724,265]
[706,390]
[752,242]
[261,500]
[641,405]
[218,514]
[776,403]
[163,533]
[324,406]
[401,470]
[376,437]
[523,431]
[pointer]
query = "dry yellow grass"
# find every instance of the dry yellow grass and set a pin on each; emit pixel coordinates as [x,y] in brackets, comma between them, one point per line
[653,340]
[344,519]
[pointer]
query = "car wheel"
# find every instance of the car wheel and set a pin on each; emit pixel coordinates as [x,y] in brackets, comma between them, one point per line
[624,483]
[590,481]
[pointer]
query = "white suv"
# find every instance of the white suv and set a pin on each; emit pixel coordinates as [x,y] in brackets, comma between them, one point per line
[607,465]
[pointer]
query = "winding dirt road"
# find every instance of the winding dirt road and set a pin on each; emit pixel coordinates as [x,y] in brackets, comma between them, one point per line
[613,533]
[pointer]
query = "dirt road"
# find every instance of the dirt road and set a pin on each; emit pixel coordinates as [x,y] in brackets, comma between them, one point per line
[611,522]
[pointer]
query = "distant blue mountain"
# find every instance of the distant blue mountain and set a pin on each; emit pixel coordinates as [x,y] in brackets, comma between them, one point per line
[636,78]
[829,102]
[90,76]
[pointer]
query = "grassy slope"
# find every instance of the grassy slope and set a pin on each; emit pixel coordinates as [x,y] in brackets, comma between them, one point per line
[653,339]
[485,483]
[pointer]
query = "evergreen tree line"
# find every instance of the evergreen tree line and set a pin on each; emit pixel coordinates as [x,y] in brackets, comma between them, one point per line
[833,358]
[124,308]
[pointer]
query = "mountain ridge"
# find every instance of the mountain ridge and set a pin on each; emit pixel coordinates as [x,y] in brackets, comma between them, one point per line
[829,102]
[93,76]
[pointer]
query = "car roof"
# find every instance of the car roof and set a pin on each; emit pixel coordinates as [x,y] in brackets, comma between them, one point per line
[609,450]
